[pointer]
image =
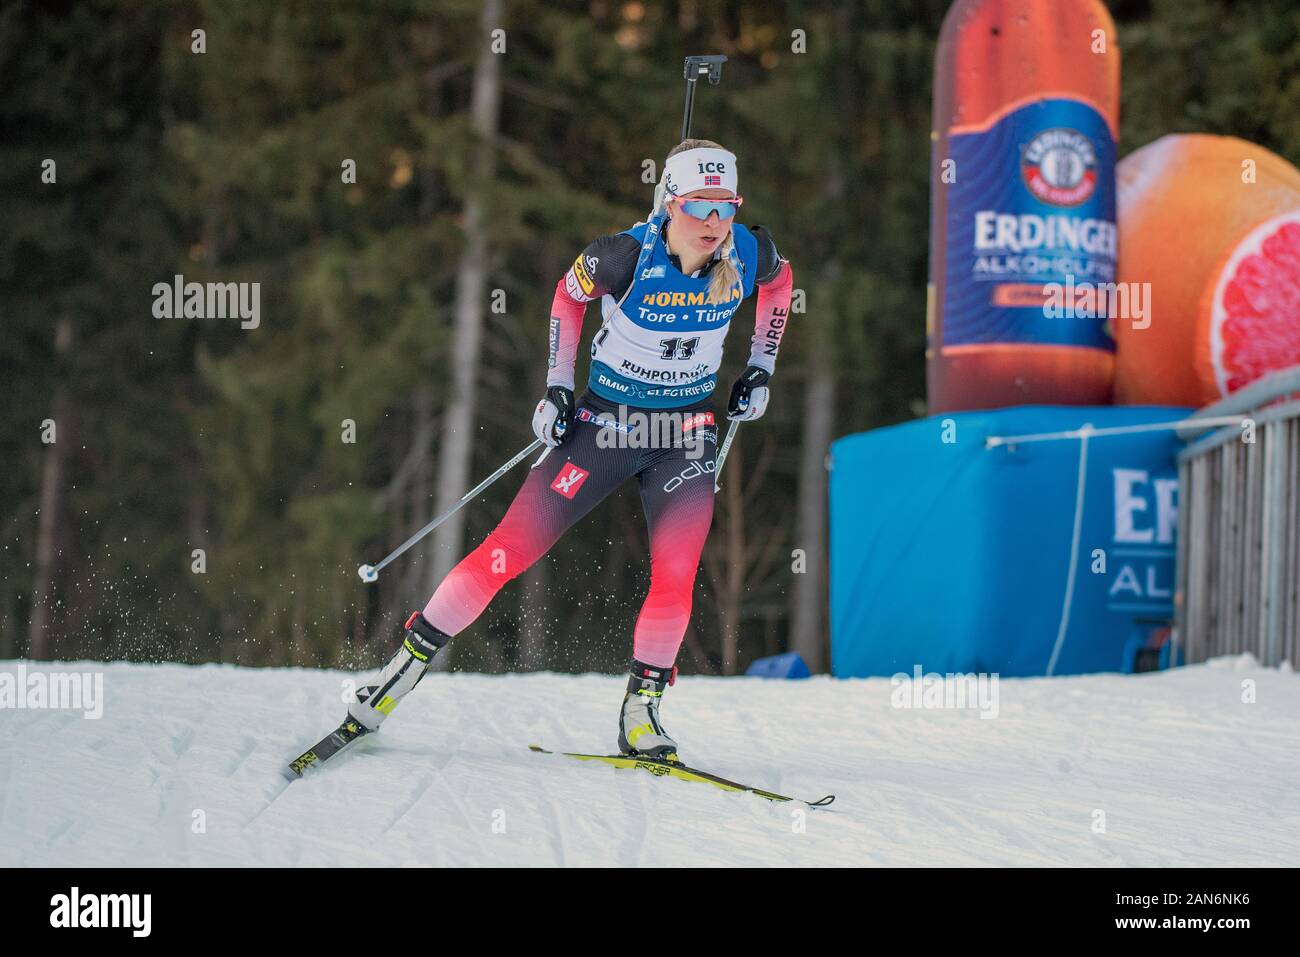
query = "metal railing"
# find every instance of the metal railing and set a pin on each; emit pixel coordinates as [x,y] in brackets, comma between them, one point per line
[1238,560]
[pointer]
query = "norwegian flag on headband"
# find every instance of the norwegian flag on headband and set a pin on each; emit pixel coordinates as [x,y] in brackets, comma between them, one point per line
[713,181]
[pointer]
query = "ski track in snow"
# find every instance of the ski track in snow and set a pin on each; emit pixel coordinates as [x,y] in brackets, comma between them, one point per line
[1184,771]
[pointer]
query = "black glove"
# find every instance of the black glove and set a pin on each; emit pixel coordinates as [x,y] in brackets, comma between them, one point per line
[749,395]
[554,415]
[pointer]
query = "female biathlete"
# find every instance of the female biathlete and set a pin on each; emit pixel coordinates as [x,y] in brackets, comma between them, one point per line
[658,351]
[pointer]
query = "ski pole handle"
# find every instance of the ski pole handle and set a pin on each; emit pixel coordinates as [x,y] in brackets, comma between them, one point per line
[370,573]
[722,454]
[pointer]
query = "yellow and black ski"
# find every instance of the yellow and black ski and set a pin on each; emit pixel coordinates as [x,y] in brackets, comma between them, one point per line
[675,769]
[328,746]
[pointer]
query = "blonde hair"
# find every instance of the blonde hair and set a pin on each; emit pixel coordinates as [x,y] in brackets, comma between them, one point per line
[724,276]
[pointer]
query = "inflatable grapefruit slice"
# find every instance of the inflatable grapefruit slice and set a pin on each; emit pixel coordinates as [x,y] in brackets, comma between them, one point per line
[1255,312]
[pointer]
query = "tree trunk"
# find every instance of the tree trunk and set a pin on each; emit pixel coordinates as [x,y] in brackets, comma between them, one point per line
[809,631]
[457,446]
[699,656]
[301,651]
[9,625]
[419,498]
[47,529]
[811,619]
[534,597]
[736,560]
[8,644]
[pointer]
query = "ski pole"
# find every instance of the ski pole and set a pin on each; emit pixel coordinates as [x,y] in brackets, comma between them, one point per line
[370,573]
[722,455]
[696,67]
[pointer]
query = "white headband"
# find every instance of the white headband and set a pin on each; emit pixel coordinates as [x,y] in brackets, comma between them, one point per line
[703,168]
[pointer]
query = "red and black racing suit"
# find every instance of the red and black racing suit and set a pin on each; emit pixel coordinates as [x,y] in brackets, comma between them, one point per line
[675,478]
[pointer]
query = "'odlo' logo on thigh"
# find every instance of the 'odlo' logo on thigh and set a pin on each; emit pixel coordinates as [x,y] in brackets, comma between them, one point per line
[569,480]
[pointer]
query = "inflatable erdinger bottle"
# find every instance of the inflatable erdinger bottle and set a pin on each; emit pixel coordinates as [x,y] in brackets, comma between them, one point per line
[1026,115]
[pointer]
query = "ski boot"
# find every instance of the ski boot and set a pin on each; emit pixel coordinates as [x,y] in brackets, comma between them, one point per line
[400,675]
[639,730]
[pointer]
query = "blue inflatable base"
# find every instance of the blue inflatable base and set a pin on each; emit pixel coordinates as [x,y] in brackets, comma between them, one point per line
[958,554]
[788,665]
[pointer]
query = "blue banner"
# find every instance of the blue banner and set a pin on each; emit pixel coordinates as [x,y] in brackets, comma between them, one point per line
[959,557]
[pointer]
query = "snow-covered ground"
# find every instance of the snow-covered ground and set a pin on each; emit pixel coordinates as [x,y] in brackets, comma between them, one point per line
[184,768]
